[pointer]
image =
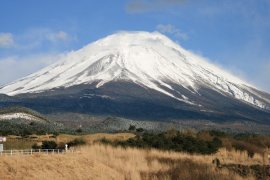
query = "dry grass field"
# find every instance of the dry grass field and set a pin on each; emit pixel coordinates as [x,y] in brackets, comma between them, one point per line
[106,162]
[90,138]
[99,161]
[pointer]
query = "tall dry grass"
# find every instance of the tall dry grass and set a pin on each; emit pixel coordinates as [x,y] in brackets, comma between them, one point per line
[106,162]
[90,138]
[241,157]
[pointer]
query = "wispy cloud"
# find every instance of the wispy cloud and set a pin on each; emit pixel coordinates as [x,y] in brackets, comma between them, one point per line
[31,50]
[58,36]
[171,29]
[15,67]
[35,38]
[137,6]
[6,40]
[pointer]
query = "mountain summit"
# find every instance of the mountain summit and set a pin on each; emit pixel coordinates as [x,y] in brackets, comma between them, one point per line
[139,69]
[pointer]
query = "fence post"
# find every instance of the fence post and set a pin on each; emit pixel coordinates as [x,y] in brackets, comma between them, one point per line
[33,151]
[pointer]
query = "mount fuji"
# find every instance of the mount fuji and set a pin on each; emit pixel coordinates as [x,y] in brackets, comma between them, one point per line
[139,75]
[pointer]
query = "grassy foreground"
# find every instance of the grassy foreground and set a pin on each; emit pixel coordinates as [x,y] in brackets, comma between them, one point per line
[106,162]
[96,160]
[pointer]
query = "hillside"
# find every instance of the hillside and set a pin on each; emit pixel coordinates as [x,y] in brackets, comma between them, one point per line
[24,121]
[21,113]
[101,123]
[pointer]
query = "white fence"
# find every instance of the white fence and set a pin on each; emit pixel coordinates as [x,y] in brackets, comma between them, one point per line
[34,151]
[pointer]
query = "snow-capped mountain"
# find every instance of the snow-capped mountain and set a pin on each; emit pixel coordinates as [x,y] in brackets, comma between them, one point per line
[142,65]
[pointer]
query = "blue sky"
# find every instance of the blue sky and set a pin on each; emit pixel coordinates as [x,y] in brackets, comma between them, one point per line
[232,34]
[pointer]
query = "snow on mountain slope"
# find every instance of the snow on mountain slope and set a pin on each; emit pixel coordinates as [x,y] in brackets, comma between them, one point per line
[19,115]
[150,60]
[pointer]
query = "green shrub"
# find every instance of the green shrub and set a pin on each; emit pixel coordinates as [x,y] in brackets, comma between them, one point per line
[217,133]
[139,129]
[48,145]
[76,142]
[35,146]
[132,127]
[79,130]
[178,142]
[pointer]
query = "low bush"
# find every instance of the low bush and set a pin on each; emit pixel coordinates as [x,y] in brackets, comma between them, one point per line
[139,129]
[132,128]
[35,146]
[179,142]
[48,145]
[76,142]
[79,130]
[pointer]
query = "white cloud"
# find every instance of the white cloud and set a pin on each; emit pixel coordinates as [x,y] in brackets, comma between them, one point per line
[6,40]
[34,49]
[36,38]
[13,68]
[58,36]
[170,29]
